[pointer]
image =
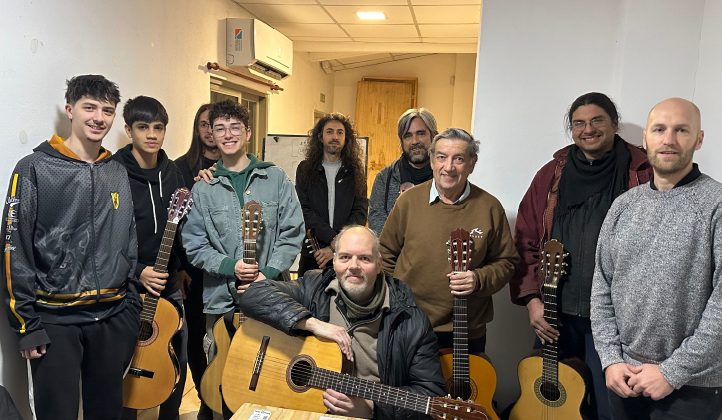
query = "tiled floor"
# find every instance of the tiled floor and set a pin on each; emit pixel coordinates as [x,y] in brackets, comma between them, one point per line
[188,408]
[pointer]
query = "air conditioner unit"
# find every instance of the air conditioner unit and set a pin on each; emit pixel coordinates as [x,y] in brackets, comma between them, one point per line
[256,46]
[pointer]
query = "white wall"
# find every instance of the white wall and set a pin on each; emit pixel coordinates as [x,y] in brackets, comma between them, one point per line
[156,48]
[445,85]
[536,57]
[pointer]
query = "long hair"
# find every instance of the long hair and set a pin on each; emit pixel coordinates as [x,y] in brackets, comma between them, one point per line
[350,154]
[195,151]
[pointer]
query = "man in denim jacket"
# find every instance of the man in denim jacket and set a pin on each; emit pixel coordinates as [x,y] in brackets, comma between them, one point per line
[212,235]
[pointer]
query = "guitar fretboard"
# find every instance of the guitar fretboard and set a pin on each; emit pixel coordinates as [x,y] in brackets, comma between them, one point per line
[349,385]
[550,364]
[460,357]
[161,266]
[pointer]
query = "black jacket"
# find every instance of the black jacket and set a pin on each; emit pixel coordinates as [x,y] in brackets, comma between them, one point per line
[152,190]
[312,191]
[407,349]
[70,242]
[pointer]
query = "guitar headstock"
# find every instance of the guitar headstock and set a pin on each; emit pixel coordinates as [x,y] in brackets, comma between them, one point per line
[552,264]
[312,244]
[450,408]
[180,204]
[459,246]
[252,216]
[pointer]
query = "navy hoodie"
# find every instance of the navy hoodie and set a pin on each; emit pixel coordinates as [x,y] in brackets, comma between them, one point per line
[151,190]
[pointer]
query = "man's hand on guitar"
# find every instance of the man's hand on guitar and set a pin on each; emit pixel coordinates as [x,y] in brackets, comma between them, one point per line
[650,382]
[323,256]
[246,272]
[343,405]
[244,285]
[153,281]
[542,329]
[330,332]
[617,376]
[462,283]
[34,352]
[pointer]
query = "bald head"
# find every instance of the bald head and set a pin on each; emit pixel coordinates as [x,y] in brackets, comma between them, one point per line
[359,231]
[679,106]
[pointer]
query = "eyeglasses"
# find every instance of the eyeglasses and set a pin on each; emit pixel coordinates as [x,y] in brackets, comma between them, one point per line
[205,125]
[597,122]
[236,130]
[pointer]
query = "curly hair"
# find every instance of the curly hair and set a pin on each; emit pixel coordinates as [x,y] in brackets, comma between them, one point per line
[92,85]
[350,154]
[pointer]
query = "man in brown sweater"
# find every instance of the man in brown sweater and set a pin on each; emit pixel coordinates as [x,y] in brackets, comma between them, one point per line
[413,241]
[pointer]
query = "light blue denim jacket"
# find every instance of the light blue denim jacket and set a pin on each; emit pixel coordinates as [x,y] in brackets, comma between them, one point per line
[212,231]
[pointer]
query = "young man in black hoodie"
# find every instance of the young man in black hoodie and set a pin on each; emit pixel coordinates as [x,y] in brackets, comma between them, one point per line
[153,179]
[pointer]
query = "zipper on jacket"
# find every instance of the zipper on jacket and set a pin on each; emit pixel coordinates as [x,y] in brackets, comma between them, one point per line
[91,166]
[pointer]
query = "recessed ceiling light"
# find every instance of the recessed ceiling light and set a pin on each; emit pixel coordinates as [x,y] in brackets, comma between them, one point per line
[371,15]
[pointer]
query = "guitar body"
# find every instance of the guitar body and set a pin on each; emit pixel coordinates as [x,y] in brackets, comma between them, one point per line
[154,362]
[211,380]
[482,378]
[274,383]
[534,404]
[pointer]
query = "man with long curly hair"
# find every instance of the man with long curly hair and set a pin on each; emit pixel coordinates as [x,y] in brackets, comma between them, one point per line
[331,186]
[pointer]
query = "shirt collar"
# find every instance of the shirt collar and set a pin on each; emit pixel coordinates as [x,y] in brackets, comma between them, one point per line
[434,194]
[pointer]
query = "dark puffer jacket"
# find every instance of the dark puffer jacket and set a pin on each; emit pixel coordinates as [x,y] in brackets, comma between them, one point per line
[407,349]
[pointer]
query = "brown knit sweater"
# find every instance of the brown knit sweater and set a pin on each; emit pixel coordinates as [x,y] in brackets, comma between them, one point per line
[413,247]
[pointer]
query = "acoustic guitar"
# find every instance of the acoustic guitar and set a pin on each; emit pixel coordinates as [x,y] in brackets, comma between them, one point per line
[154,369]
[549,389]
[268,367]
[469,377]
[251,218]
[312,244]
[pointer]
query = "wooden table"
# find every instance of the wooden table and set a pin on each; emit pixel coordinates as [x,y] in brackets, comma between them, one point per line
[262,412]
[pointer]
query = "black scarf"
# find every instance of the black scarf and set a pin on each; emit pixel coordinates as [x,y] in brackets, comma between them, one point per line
[583,178]
[355,312]
[414,175]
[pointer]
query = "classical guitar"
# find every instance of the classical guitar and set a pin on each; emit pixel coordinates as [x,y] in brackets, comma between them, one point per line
[154,370]
[223,330]
[312,244]
[268,367]
[469,377]
[550,389]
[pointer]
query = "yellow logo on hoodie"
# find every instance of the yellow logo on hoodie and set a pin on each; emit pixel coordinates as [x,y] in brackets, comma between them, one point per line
[116,199]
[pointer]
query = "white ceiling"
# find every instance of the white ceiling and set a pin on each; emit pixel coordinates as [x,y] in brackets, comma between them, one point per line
[330,30]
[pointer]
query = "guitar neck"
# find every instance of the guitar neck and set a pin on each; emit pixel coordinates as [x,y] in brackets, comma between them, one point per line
[249,250]
[363,388]
[161,266]
[460,359]
[550,368]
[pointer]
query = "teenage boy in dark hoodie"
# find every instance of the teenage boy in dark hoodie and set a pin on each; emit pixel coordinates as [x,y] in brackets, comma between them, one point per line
[153,179]
[69,266]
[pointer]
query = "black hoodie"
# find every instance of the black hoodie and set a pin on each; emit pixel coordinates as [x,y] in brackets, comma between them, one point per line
[151,190]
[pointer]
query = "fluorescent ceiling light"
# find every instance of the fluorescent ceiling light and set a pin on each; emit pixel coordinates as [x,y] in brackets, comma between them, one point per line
[371,15]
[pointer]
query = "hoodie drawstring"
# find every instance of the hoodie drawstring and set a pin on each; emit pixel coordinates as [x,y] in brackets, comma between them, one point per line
[152,203]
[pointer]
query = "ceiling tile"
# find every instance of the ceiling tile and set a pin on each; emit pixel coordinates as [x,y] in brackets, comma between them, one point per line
[307,29]
[447,14]
[464,40]
[365,2]
[364,58]
[447,31]
[448,3]
[245,3]
[394,39]
[320,38]
[381,31]
[276,13]
[394,14]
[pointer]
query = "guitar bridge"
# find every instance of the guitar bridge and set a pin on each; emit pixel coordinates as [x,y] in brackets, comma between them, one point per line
[141,373]
[260,356]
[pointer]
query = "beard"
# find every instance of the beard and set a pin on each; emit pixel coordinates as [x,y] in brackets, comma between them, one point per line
[670,167]
[357,292]
[417,158]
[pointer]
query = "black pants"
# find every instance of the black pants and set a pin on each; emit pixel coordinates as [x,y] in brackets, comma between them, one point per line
[96,353]
[686,403]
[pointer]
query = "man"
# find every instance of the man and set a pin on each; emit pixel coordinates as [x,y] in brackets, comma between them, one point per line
[416,127]
[153,179]
[212,233]
[413,242]
[567,200]
[202,154]
[371,316]
[69,266]
[657,295]
[331,186]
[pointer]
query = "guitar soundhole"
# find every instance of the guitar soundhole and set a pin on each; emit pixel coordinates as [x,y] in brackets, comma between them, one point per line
[551,394]
[299,373]
[148,332]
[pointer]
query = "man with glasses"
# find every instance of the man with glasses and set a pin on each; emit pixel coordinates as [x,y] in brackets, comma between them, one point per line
[416,127]
[568,200]
[212,234]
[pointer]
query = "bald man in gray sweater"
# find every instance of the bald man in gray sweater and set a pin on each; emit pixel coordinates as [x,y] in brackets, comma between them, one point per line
[656,304]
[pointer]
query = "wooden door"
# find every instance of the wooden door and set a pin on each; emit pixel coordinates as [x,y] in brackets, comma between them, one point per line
[379,104]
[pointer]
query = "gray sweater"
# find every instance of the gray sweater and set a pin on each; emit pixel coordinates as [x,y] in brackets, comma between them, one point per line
[656,295]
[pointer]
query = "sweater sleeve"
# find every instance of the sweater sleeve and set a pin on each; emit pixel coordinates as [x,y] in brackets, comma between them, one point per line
[603,319]
[19,265]
[501,259]
[392,239]
[377,202]
[198,248]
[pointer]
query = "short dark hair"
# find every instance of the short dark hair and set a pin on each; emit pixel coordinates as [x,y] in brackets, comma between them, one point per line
[229,109]
[145,109]
[593,98]
[457,134]
[92,85]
